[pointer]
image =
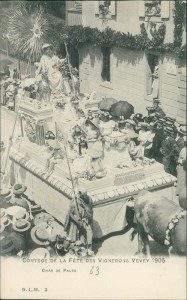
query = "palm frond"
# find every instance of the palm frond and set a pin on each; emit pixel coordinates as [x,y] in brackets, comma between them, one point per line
[27,30]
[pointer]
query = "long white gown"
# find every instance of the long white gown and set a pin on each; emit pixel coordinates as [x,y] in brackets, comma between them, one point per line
[50,65]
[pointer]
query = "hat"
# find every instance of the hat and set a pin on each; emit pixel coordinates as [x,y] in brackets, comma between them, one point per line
[182,130]
[95,122]
[156,101]
[170,119]
[36,208]
[132,134]
[6,194]
[42,217]
[130,122]
[161,120]
[6,246]
[5,221]
[39,236]
[3,212]
[169,123]
[105,116]
[49,135]
[21,225]
[181,123]
[21,214]
[150,108]
[18,189]
[168,129]
[41,253]
[45,46]
[144,124]
[9,79]
[53,144]
[12,210]
[121,120]
[53,230]
[83,191]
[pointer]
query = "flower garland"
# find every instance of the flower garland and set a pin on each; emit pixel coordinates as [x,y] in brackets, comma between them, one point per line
[78,36]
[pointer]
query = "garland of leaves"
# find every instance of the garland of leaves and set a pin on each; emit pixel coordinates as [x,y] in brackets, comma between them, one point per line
[179,14]
[79,35]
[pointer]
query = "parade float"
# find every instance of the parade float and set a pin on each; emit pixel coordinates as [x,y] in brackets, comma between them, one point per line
[89,152]
[109,188]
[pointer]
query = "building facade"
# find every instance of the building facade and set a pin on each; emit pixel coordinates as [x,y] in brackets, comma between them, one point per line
[127,74]
[73,13]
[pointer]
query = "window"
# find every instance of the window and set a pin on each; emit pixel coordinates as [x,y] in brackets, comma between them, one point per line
[105,74]
[154,8]
[152,84]
[105,9]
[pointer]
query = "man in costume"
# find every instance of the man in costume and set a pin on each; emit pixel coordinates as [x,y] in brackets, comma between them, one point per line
[79,220]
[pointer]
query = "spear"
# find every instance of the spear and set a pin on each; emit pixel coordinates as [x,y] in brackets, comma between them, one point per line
[71,177]
[67,54]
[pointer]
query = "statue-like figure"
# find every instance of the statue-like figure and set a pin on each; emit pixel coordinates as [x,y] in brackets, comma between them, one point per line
[49,67]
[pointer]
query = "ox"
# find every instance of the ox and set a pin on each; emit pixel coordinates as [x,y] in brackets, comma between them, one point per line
[161,219]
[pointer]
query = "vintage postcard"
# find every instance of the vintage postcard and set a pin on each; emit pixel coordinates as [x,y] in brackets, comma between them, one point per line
[93,149]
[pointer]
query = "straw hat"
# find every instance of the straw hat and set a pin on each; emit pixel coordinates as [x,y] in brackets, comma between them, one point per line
[53,144]
[168,129]
[45,46]
[6,194]
[14,209]
[40,236]
[21,214]
[3,212]
[5,221]
[42,217]
[144,124]
[18,189]
[53,230]
[41,253]
[6,246]
[36,208]
[21,225]
[131,122]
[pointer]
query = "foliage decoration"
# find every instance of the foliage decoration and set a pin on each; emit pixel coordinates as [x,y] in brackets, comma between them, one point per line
[77,36]
[179,14]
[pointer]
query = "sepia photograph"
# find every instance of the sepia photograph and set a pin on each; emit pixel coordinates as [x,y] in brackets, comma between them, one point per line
[93,149]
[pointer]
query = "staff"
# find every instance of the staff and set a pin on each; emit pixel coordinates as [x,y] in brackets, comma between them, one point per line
[65,37]
[10,141]
[71,177]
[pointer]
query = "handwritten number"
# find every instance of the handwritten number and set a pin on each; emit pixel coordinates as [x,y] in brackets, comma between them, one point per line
[94,270]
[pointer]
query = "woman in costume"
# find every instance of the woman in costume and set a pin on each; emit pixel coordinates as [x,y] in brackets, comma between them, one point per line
[49,67]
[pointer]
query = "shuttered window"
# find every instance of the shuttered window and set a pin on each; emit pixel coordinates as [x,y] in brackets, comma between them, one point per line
[105,74]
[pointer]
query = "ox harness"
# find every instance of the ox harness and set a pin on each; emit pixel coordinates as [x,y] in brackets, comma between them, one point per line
[174,220]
